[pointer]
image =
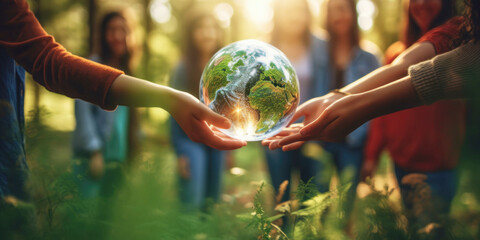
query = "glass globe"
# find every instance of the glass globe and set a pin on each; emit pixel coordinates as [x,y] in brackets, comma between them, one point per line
[254,85]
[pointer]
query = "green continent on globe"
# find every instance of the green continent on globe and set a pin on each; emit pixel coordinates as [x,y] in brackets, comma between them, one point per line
[269,98]
[216,76]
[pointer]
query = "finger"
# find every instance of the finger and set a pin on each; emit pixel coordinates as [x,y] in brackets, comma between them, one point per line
[272,139]
[292,146]
[301,112]
[292,129]
[213,118]
[293,138]
[274,145]
[211,139]
[317,126]
[266,142]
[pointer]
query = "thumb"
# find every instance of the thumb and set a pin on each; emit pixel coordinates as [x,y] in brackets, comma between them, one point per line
[301,111]
[214,118]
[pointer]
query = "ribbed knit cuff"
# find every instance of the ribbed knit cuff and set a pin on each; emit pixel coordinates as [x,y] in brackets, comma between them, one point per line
[447,76]
[425,83]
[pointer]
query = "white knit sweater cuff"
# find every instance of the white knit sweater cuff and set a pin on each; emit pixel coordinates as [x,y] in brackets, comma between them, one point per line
[425,82]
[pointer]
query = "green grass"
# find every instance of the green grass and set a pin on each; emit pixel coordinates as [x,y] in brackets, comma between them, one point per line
[147,206]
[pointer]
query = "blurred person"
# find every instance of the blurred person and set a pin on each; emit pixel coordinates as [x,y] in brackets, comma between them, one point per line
[322,65]
[347,62]
[101,138]
[24,41]
[200,167]
[292,35]
[425,140]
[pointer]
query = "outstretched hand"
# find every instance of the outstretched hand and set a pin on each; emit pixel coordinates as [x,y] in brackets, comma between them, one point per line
[310,111]
[332,125]
[198,122]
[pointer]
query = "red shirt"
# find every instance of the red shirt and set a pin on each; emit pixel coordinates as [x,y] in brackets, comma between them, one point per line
[49,63]
[426,138]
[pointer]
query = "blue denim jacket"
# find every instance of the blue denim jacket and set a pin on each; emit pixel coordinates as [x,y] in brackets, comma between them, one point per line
[13,167]
[361,64]
[100,130]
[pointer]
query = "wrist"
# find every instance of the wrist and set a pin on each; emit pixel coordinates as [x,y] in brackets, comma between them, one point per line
[169,98]
[368,102]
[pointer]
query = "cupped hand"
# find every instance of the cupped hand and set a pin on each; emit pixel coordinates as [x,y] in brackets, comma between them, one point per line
[195,119]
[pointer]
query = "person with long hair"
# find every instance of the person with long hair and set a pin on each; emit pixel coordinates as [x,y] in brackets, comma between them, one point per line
[200,167]
[347,62]
[25,46]
[322,65]
[292,35]
[100,138]
[426,140]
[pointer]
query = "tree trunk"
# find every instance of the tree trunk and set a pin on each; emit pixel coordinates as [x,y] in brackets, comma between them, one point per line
[92,14]
[36,86]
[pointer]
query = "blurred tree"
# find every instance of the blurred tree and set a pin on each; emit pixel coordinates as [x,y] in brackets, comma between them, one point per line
[92,13]
[386,23]
[47,12]
[36,87]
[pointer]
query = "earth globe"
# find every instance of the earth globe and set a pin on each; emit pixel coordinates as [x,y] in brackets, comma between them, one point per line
[254,85]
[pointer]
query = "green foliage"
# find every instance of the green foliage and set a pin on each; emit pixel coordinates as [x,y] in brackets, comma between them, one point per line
[260,220]
[378,219]
[216,76]
[272,97]
[270,101]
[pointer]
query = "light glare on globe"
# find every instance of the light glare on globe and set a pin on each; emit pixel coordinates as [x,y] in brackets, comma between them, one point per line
[254,85]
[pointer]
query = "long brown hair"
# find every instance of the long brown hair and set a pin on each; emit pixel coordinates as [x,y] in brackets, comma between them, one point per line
[355,32]
[191,53]
[471,28]
[105,52]
[127,64]
[411,32]
[276,33]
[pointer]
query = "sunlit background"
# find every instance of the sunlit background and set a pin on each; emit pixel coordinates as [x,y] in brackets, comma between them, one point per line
[157,31]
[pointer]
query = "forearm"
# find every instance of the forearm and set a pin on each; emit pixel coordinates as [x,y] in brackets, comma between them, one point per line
[393,97]
[135,92]
[377,78]
[396,70]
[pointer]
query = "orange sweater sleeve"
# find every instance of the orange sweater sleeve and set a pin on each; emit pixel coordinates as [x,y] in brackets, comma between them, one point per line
[49,63]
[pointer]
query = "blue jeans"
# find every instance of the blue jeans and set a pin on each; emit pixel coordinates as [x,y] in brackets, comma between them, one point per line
[429,200]
[280,165]
[206,168]
[348,162]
